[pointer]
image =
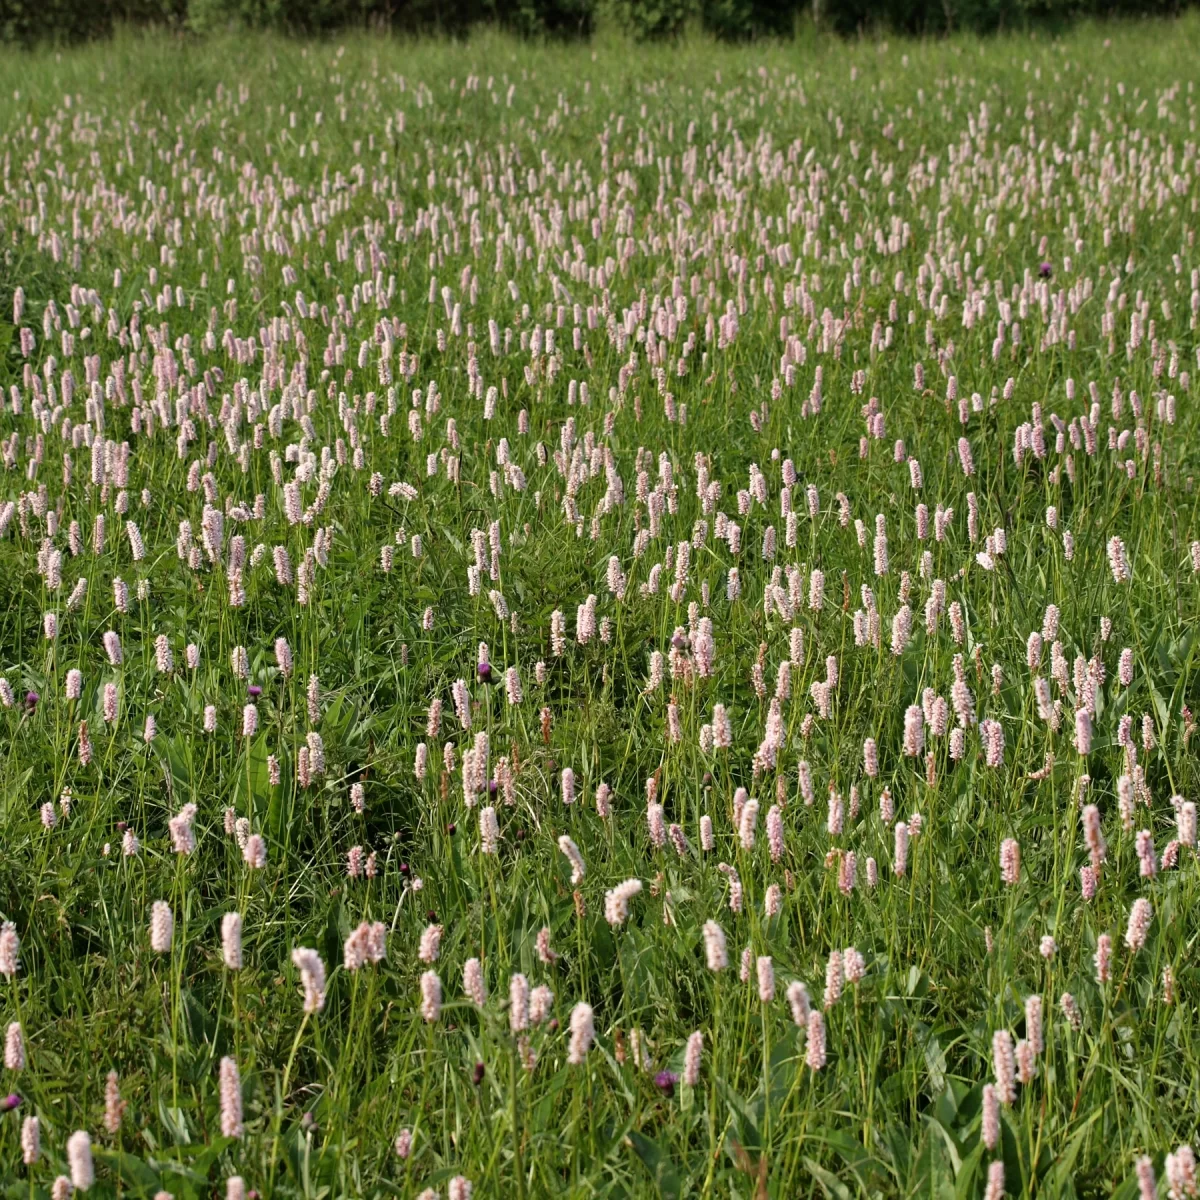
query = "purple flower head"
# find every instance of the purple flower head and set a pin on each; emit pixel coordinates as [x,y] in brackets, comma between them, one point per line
[255,691]
[484,671]
[9,1102]
[31,700]
[680,641]
[665,1081]
[492,787]
[477,1077]
[1046,270]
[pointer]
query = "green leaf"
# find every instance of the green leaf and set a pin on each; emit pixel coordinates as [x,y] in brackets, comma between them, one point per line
[657,1162]
[969,1169]
[174,1122]
[951,1147]
[745,1123]
[132,1169]
[829,1183]
[935,1060]
[1061,1173]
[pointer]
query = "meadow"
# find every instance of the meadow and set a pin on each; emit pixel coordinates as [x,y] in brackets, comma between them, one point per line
[600,620]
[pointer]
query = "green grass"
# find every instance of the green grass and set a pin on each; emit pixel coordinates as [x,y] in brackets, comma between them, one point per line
[612,178]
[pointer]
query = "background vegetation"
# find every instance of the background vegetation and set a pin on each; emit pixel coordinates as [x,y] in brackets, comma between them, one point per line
[29,21]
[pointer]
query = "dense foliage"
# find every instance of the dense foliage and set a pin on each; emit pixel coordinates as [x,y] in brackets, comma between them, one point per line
[732,20]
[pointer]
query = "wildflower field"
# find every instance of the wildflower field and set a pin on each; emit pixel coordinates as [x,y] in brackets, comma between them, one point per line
[600,621]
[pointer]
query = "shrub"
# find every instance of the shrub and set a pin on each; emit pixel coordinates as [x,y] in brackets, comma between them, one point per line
[741,20]
[552,18]
[28,21]
[649,20]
